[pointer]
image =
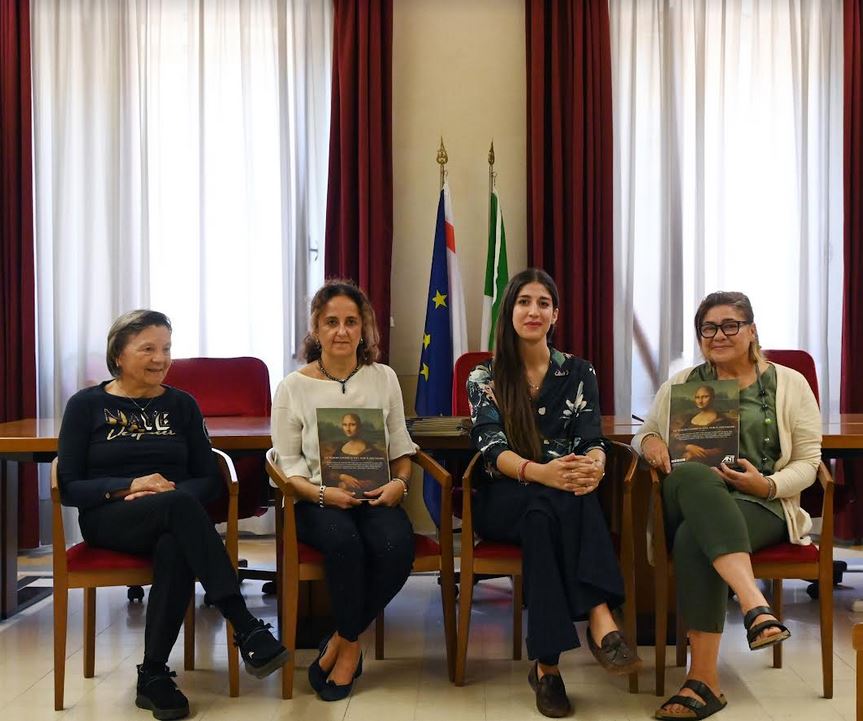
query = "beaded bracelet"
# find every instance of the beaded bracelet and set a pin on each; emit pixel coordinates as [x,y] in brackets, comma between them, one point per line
[404,483]
[321,496]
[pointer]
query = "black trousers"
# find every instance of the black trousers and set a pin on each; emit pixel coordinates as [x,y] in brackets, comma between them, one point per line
[176,531]
[569,564]
[368,554]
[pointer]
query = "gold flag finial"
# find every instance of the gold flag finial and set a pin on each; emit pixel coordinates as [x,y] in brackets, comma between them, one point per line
[442,159]
[491,153]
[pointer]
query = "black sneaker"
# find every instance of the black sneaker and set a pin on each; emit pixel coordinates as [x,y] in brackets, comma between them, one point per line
[551,699]
[260,650]
[158,693]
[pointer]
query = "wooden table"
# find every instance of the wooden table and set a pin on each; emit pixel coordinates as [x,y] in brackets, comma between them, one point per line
[30,440]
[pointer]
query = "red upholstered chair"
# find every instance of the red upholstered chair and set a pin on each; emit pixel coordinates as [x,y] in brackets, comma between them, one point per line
[232,387]
[461,370]
[299,562]
[83,566]
[782,561]
[503,559]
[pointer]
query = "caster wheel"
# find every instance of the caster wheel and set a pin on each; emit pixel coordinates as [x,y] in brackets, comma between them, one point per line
[269,588]
[812,590]
[207,601]
[135,593]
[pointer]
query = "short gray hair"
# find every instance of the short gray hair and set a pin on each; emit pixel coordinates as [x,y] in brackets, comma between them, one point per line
[125,327]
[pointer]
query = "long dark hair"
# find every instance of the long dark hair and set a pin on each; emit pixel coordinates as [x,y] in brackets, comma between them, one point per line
[510,383]
[367,351]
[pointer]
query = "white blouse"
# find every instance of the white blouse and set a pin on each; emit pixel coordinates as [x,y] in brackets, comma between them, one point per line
[294,424]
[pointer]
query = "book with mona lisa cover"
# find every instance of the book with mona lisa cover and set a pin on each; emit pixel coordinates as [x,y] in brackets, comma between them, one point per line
[704,422]
[353,449]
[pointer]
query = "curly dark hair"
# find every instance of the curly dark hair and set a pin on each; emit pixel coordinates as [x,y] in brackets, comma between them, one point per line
[367,351]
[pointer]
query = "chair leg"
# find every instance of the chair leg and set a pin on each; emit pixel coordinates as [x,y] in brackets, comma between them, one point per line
[517,603]
[825,603]
[631,632]
[447,592]
[233,662]
[379,636]
[280,524]
[777,608]
[465,600]
[661,629]
[289,598]
[189,636]
[89,632]
[680,639]
[61,605]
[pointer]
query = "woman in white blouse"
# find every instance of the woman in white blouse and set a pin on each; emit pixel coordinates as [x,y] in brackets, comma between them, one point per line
[367,544]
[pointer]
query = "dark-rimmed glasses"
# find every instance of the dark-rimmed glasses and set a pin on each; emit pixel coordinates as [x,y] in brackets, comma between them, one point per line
[728,328]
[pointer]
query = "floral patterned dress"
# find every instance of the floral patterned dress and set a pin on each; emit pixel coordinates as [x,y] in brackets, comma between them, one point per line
[569,560]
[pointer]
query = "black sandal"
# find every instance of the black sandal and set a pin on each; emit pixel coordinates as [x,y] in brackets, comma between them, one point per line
[700,709]
[753,632]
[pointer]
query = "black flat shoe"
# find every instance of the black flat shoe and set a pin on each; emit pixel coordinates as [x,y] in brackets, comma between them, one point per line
[696,709]
[551,698]
[317,675]
[614,653]
[261,652]
[336,692]
[157,692]
[753,632]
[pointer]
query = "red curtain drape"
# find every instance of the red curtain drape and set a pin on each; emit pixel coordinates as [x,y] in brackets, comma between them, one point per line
[359,231]
[849,521]
[17,283]
[569,172]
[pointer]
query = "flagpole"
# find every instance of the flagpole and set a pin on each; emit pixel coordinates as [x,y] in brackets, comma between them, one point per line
[491,179]
[442,159]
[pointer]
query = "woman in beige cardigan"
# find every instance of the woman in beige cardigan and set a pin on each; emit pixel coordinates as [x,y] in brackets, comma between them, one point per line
[718,516]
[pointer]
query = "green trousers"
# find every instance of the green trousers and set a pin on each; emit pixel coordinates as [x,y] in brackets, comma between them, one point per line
[703,520]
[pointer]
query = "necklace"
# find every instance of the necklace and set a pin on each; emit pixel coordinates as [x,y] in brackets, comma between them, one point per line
[134,402]
[765,410]
[344,380]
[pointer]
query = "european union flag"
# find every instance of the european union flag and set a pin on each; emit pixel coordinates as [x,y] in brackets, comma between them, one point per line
[445,332]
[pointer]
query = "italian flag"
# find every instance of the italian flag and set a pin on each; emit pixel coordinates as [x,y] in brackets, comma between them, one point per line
[496,273]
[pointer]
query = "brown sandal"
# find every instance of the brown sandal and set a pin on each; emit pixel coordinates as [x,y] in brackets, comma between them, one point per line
[614,653]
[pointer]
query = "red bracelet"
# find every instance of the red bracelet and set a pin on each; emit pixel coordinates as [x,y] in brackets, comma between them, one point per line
[521,478]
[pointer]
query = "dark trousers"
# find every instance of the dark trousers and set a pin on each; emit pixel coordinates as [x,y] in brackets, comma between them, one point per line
[176,531]
[368,554]
[705,521]
[569,564]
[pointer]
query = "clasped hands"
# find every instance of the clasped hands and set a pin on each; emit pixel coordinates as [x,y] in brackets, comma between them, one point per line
[577,474]
[389,494]
[148,486]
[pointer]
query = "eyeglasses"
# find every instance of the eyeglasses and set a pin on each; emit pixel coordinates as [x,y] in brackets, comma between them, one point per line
[728,328]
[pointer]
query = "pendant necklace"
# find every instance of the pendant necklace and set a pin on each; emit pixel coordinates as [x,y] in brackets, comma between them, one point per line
[142,409]
[344,380]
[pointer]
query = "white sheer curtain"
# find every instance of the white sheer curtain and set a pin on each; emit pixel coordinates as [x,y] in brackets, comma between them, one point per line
[728,163]
[180,157]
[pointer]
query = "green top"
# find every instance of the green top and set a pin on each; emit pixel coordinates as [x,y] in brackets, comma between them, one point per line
[759,432]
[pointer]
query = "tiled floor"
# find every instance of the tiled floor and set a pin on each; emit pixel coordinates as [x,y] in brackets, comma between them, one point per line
[411,683]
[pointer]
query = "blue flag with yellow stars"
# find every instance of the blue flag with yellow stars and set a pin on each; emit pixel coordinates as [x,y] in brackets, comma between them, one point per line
[445,332]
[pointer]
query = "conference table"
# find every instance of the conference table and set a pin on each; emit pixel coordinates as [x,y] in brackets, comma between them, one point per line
[35,440]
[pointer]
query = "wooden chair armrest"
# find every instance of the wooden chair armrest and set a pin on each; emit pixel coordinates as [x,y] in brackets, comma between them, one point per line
[627,450]
[277,476]
[229,473]
[55,485]
[466,512]
[434,469]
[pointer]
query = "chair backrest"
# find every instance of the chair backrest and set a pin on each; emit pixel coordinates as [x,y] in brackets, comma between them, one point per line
[463,366]
[230,387]
[224,386]
[800,361]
